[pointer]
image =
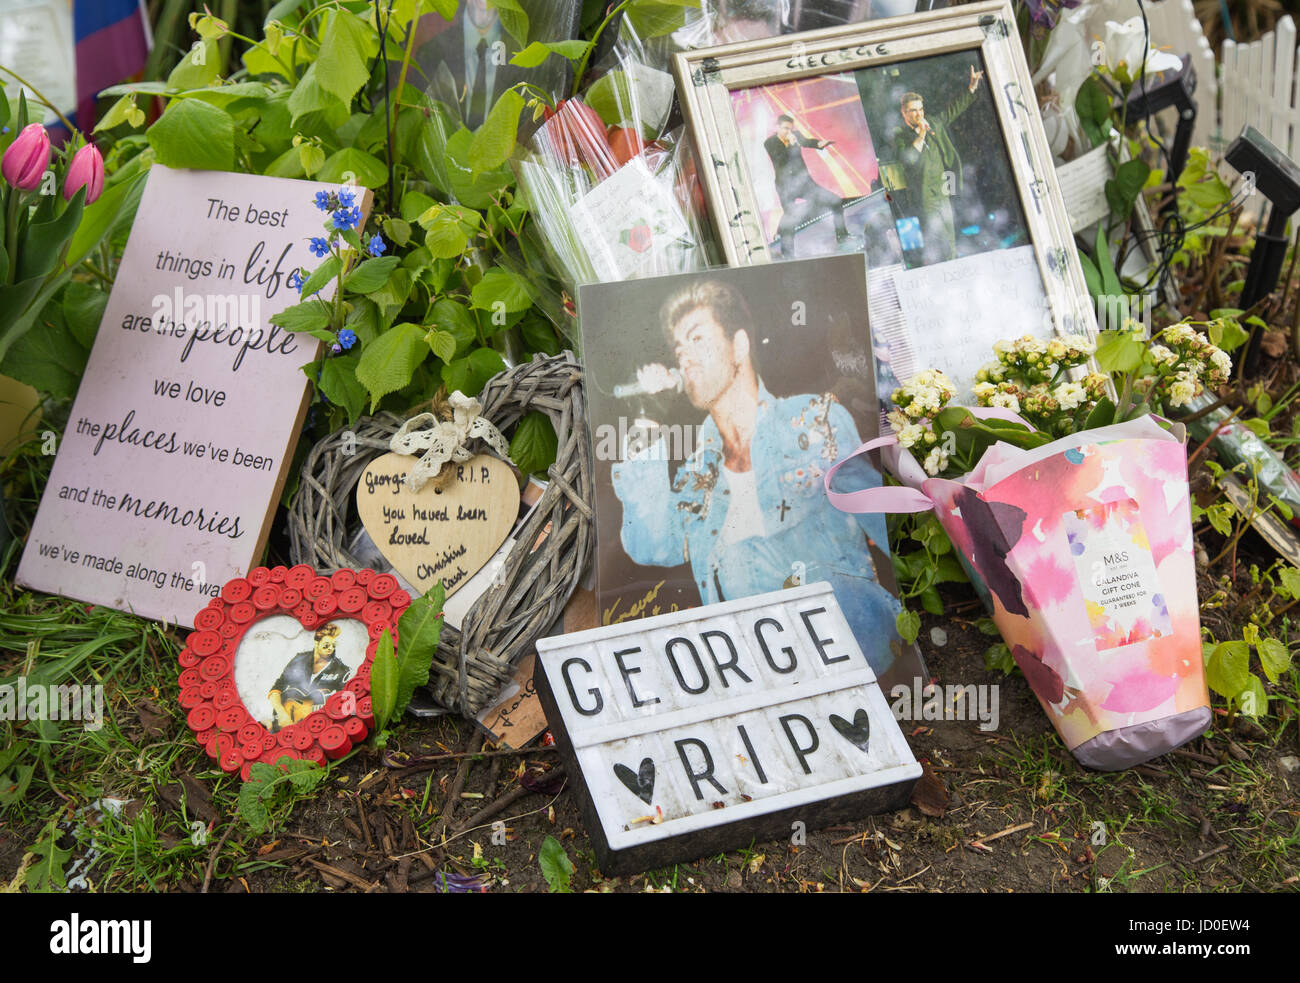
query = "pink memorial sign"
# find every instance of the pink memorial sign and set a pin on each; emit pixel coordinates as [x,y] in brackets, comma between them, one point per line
[180,438]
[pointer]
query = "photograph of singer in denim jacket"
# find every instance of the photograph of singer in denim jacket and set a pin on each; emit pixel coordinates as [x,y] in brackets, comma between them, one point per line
[734,500]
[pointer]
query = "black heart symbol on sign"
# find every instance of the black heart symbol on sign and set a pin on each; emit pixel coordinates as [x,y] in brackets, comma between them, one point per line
[640,783]
[857,733]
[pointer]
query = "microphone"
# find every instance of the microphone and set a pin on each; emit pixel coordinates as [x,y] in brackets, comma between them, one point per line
[628,390]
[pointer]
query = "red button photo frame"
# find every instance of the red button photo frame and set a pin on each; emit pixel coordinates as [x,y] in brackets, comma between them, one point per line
[222,724]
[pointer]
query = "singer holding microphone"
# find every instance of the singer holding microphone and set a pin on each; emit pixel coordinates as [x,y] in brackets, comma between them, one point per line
[747,508]
[932,168]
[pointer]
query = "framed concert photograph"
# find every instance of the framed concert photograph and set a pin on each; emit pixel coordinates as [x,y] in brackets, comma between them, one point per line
[916,140]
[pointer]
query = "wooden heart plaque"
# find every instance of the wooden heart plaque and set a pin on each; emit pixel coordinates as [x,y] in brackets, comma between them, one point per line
[429,535]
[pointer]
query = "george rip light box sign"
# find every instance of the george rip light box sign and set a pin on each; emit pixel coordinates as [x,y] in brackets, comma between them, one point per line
[698,731]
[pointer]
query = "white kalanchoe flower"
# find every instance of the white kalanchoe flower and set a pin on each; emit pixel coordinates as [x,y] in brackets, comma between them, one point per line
[1184,388]
[1160,354]
[1177,333]
[983,390]
[1071,395]
[1006,401]
[936,461]
[910,434]
[1222,361]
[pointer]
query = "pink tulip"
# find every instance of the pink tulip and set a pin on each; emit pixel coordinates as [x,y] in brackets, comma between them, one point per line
[86,170]
[27,158]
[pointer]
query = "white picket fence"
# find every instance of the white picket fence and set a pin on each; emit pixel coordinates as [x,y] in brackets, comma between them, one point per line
[1259,83]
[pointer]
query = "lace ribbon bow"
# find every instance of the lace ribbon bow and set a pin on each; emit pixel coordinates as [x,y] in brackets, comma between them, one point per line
[443,441]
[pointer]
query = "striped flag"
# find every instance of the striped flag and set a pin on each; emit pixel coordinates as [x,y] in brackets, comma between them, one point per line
[113,42]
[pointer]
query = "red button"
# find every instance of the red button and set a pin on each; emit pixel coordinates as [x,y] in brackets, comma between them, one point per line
[246,771]
[208,618]
[353,599]
[314,753]
[250,732]
[278,573]
[190,697]
[382,586]
[377,611]
[220,744]
[325,605]
[205,642]
[259,576]
[231,761]
[303,739]
[236,590]
[355,728]
[377,628]
[365,711]
[217,604]
[188,678]
[188,658]
[309,619]
[228,628]
[242,612]
[209,688]
[399,599]
[299,577]
[360,687]
[334,742]
[214,667]
[363,670]
[232,718]
[338,707]
[316,722]
[251,750]
[290,598]
[269,742]
[205,736]
[365,575]
[319,588]
[343,579]
[266,598]
[223,698]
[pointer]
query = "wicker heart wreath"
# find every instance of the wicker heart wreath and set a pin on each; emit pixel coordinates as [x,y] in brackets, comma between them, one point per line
[472,664]
[216,711]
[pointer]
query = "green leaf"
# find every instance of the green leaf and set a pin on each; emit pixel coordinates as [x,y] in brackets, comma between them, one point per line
[371,275]
[368,171]
[124,110]
[1228,669]
[345,48]
[309,96]
[1274,656]
[472,188]
[199,66]
[46,875]
[1094,107]
[655,18]
[556,866]
[442,344]
[998,657]
[398,230]
[539,337]
[496,137]
[454,318]
[389,362]
[194,134]
[338,381]
[415,204]
[322,276]
[534,444]
[251,808]
[310,316]
[1290,578]
[513,18]
[418,632]
[1227,333]
[1119,351]
[43,242]
[50,359]
[909,625]
[539,51]
[1091,275]
[1122,190]
[637,95]
[1253,700]
[383,681]
[500,286]
[447,230]
[470,374]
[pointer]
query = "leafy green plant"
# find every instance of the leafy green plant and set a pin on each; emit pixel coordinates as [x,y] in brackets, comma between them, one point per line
[1227,669]
[556,866]
[45,875]
[923,558]
[272,786]
[395,674]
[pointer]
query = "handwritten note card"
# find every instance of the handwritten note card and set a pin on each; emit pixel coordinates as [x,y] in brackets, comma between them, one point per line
[956,310]
[176,449]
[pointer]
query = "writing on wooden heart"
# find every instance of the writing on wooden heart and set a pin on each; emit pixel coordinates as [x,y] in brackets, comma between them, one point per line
[640,783]
[429,535]
[857,733]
